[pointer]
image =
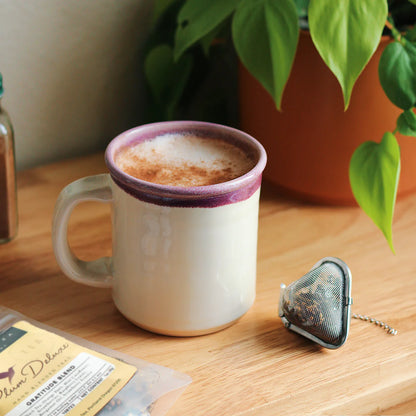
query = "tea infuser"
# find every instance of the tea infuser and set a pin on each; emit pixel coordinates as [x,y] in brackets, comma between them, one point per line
[318,305]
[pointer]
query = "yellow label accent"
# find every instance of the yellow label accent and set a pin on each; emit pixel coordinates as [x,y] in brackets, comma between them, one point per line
[42,373]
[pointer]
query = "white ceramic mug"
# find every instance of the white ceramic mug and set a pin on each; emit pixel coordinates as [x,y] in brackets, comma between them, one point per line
[184,259]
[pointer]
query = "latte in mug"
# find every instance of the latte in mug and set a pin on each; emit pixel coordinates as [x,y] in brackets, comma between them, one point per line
[184,233]
[184,160]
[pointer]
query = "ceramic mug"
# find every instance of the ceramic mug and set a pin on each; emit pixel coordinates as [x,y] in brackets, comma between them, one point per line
[184,258]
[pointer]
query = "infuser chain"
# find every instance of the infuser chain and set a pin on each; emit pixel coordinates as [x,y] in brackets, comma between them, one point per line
[381,324]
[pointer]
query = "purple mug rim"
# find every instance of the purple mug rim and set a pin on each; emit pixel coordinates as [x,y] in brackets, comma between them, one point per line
[218,194]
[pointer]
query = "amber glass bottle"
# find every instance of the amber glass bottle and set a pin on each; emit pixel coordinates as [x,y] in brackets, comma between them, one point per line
[8,200]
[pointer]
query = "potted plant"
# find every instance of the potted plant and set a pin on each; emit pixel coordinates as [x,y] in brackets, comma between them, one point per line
[265,35]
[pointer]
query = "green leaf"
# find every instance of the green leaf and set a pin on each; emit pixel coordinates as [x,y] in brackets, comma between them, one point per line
[302,7]
[397,72]
[346,33]
[265,35]
[160,6]
[199,17]
[208,40]
[406,123]
[165,77]
[374,175]
[413,1]
[411,34]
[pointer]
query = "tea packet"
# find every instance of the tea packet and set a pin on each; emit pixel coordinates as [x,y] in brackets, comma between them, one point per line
[47,372]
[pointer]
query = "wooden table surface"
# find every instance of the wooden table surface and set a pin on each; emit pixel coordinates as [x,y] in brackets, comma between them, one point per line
[255,367]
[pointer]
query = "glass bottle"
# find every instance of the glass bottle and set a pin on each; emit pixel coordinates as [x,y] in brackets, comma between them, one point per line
[8,198]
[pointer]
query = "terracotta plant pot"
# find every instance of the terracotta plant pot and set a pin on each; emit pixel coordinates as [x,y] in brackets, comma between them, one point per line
[310,143]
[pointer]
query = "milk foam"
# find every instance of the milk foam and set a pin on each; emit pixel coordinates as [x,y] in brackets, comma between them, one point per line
[184,160]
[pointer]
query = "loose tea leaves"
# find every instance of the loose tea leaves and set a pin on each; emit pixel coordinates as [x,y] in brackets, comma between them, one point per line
[318,304]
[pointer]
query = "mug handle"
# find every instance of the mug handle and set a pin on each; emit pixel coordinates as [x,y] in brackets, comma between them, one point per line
[98,273]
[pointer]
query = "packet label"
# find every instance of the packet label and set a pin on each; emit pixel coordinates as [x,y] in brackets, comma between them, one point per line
[44,374]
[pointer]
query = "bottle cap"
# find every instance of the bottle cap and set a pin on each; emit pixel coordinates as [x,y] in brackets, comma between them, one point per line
[1,86]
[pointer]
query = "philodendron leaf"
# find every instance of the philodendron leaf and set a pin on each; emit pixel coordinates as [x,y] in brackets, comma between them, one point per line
[302,7]
[165,77]
[411,34]
[346,34]
[406,123]
[160,6]
[199,17]
[209,39]
[265,35]
[374,175]
[397,72]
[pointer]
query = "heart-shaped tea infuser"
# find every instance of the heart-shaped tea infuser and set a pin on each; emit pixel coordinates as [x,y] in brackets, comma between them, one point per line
[318,305]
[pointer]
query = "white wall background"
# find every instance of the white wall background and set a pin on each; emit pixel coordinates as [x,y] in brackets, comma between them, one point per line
[71,73]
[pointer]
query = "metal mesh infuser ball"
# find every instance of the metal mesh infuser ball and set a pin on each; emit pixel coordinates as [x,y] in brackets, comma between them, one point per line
[317,305]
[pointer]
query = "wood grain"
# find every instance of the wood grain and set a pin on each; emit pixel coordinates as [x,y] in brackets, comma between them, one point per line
[256,367]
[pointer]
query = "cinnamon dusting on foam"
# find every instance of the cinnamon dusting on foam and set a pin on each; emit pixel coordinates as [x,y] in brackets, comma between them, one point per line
[184,160]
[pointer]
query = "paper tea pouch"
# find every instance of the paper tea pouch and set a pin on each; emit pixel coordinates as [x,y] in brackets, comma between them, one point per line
[45,372]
